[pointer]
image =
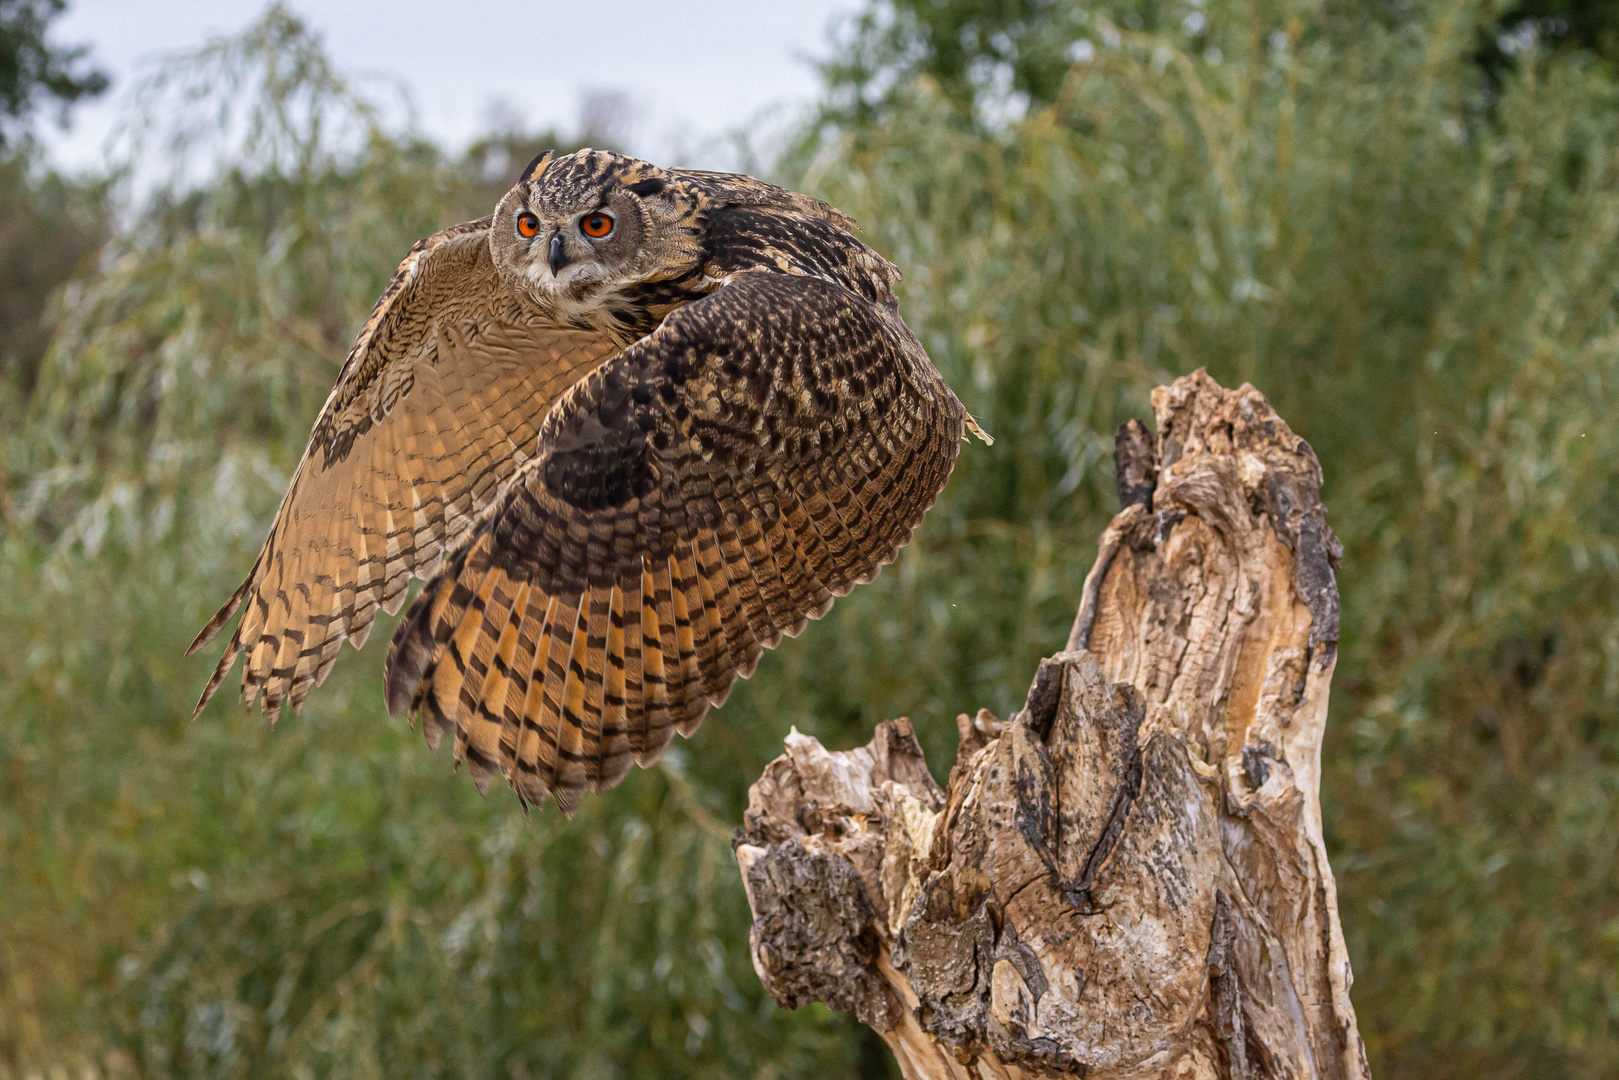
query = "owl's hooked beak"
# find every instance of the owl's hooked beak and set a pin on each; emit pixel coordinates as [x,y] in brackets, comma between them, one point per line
[556,257]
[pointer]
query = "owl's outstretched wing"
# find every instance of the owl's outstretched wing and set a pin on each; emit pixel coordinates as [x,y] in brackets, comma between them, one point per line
[438,403]
[714,487]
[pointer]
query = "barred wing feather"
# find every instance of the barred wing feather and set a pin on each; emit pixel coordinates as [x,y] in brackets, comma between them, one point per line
[440,401]
[711,489]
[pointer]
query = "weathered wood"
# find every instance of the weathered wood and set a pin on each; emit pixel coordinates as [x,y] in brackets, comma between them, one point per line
[1127,877]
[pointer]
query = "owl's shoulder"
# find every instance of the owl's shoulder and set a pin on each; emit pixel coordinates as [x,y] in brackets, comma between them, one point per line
[748,224]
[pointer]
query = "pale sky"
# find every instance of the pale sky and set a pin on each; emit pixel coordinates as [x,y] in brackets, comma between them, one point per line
[695,69]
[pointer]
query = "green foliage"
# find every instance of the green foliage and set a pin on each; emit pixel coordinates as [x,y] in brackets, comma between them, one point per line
[51,226]
[221,900]
[993,53]
[1422,274]
[1570,24]
[966,46]
[1419,268]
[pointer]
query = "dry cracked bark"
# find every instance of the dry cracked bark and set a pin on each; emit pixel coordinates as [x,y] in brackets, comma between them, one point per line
[1126,878]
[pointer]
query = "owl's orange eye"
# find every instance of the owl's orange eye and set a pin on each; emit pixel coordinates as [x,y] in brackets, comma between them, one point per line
[596,225]
[528,226]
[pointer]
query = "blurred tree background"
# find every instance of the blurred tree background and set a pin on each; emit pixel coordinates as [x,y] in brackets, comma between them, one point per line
[1399,219]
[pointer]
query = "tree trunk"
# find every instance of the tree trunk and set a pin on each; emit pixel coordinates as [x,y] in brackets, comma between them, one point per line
[1126,878]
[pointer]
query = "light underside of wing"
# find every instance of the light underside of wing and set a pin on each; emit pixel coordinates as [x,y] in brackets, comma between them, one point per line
[442,425]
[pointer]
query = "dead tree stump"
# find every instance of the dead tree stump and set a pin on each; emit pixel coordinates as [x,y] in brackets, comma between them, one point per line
[1126,878]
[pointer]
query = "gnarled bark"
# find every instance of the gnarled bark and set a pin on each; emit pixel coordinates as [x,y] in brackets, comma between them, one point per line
[1126,878]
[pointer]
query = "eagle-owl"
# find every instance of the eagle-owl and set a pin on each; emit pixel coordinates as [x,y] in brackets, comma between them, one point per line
[633,427]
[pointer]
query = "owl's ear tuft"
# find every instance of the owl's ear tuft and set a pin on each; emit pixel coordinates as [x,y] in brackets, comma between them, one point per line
[648,187]
[536,167]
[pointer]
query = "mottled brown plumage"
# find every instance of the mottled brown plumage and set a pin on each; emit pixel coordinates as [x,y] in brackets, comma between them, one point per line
[643,457]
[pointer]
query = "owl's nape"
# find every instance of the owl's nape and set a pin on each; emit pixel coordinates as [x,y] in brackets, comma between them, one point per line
[626,479]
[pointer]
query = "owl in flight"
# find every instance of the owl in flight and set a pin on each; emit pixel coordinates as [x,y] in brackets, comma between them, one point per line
[633,427]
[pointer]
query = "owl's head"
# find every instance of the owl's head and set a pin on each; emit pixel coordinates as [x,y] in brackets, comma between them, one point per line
[577,233]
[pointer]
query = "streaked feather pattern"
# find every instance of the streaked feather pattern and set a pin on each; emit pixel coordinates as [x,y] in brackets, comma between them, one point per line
[717,472]
[440,400]
[623,489]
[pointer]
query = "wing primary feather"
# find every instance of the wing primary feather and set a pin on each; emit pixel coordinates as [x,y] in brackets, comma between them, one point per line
[410,653]
[826,525]
[341,608]
[276,672]
[478,737]
[762,627]
[728,634]
[708,627]
[419,646]
[533,788]
[325,612]
[399,519]
[657,631]
[255,641]
[614,753]
[747,627]
[635,703]
[778,585]
[682,683]
[561,627]
[221,669]
[464,656]
[589,666]
[684,596]
[573,741]
[223,615]
[806,551]
[371,551]
[528,621]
